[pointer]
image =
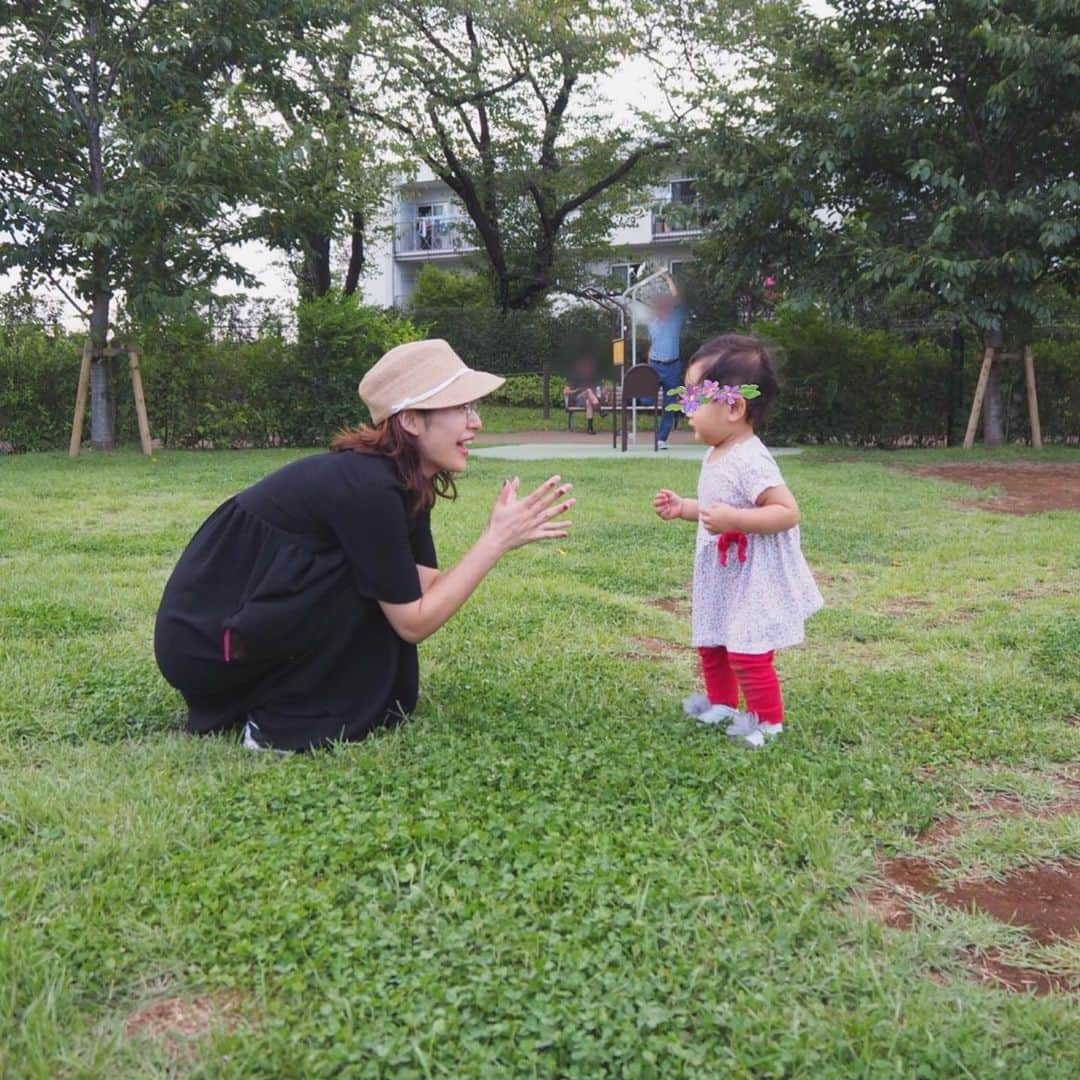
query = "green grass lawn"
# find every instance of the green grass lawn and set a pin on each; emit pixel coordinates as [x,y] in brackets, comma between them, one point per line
[548,871]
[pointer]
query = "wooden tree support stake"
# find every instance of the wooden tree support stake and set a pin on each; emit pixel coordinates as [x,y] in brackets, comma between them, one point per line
[140,403]
[1033,398]
[80,399]
[989,356]
[83,392]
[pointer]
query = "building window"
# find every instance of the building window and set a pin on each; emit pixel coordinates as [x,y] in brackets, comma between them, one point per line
[429,219]
[682,192]
[624,273]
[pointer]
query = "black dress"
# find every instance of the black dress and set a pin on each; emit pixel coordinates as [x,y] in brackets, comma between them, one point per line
[272,611]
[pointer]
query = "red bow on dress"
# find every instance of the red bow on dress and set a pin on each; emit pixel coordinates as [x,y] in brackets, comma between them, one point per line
[725,540]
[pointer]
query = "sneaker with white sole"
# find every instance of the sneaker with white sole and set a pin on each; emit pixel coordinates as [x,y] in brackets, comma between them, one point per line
[748,731]
[696,704]
[661,445]
[754,741]
[254,739]
[742,725]
[717,714]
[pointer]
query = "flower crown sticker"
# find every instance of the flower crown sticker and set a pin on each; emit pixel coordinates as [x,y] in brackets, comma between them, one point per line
[691,398]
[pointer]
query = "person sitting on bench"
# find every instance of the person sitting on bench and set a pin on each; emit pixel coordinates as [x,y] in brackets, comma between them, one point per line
[583,390]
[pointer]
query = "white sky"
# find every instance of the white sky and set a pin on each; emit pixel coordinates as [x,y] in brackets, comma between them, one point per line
[632,86]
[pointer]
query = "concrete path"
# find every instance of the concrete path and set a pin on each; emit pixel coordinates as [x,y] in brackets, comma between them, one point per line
[550,445]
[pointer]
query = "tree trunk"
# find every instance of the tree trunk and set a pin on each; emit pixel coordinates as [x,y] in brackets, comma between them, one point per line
[315,275]
[356,254]
[956,384]
[993,407]
[102,401]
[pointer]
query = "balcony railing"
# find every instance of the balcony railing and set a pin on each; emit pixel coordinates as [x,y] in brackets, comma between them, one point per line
[437,235]
[673,219]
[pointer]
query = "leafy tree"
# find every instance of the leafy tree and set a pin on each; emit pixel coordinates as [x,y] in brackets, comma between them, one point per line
[499,99]
[319,177]
[437,288]
[902,147]
[115,170]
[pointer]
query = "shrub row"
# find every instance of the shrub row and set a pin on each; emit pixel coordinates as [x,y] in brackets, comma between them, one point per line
[841,383]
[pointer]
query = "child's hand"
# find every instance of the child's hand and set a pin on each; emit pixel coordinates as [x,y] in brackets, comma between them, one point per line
[667,504]
[718,518]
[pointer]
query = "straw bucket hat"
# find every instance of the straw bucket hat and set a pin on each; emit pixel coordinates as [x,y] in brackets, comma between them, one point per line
[422,375]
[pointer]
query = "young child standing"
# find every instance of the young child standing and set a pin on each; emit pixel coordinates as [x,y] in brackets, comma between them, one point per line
[752,588]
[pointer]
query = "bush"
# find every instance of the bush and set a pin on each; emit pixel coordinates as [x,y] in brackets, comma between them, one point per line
[842,383]
[1057,381]
[39,373]
[521,342]
[338,341]
[520,390]
[267,392]
[448,290]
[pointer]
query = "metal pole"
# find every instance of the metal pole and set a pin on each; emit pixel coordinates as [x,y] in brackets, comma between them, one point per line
[630,293]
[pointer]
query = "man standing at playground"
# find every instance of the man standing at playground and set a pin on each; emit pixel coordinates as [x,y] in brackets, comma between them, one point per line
[665,327]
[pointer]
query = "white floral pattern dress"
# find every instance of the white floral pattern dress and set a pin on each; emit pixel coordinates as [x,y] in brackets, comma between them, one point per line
[760,604]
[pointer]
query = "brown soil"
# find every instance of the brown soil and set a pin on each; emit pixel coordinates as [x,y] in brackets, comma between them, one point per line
[1030,487]
[993,809]
[672,607]
[655,646]
[177,1023]
[1042,900]
[994,971]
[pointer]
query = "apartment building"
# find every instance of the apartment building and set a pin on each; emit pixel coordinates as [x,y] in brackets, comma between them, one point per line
[430,226]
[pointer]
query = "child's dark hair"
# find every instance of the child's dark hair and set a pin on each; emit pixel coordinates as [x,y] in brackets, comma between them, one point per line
[734,359]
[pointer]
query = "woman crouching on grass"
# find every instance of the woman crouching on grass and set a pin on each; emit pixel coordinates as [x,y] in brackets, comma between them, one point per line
[297,607]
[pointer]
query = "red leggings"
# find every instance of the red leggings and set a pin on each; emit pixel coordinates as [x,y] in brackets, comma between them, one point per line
[726,673]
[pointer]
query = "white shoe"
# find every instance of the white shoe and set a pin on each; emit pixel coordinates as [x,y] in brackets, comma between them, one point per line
[695,705]
[748,731]
[742,726]
[254,739]
[717,714]
[661,445]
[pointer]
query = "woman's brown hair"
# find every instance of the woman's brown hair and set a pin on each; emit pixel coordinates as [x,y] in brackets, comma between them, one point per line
[390,440]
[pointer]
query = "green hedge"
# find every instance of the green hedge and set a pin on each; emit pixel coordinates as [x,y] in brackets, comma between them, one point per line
[39,372]
[520,342]
[872,387]
[203,392]
[840,383]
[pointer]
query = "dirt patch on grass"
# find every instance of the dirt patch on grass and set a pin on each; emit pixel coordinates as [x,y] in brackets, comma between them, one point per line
[1042,900]
[654,646]
[178,1023]
[990,969]
[899,606]
[676,605]
[1030,487]
[672,607]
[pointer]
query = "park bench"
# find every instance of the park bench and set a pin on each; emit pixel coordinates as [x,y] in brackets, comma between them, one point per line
[610,403]
[638,382]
